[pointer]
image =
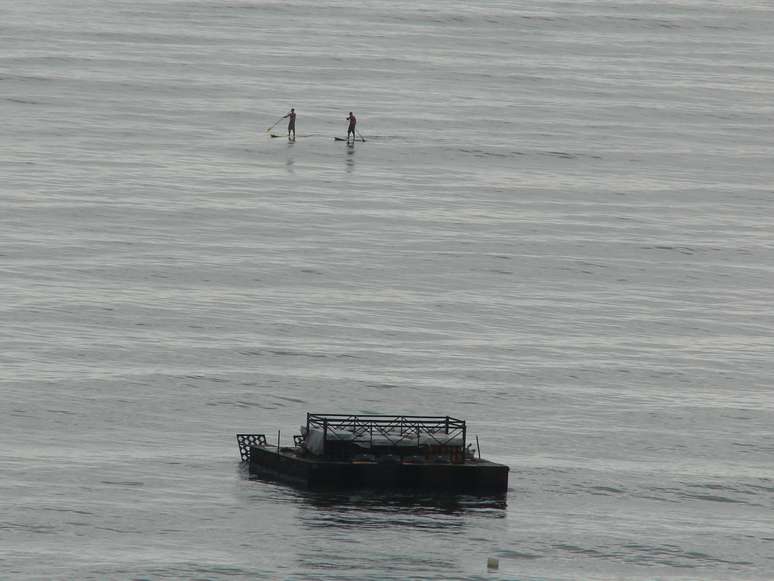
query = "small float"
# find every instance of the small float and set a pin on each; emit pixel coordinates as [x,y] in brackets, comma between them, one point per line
[339,451]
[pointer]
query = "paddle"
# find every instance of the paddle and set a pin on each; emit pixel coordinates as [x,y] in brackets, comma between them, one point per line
[272,127]
[360,136]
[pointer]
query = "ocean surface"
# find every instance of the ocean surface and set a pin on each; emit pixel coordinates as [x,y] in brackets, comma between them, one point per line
[559,227]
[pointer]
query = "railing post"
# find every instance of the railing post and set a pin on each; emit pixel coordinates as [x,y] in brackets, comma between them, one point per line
[464,441]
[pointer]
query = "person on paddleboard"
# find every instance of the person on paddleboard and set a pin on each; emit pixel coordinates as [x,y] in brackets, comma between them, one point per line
[291,117]
[352,122]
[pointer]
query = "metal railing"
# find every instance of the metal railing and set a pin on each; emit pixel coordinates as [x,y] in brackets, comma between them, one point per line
[394,429]
[245,441]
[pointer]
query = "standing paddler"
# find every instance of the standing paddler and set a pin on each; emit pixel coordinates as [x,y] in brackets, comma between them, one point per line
[291,117]
[351,129]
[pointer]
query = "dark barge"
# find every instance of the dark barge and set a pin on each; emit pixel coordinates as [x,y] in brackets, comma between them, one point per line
[338,451]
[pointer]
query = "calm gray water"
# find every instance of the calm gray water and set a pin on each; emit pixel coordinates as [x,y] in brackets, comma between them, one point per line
[560,228]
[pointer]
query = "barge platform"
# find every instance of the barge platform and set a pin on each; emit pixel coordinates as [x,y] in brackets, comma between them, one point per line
[337,451]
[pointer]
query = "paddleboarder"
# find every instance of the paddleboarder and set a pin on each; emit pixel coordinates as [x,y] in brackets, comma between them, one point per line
[352,122]
[291,117]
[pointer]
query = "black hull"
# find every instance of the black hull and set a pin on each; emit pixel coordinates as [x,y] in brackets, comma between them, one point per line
[475,477]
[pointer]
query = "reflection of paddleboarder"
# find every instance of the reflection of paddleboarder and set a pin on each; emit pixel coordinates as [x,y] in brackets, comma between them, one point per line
[291,122]
[352,122]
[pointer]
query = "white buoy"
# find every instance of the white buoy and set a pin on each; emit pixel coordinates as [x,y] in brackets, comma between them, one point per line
[492,563]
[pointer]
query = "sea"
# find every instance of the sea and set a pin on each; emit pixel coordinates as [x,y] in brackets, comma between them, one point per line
[556,223]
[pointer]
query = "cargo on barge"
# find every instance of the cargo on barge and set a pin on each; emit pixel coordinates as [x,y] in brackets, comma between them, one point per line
[339,451]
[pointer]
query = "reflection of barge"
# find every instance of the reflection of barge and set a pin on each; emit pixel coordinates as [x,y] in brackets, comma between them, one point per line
[377,451]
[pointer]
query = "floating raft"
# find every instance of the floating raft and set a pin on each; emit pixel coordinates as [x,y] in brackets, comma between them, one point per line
[337,451]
